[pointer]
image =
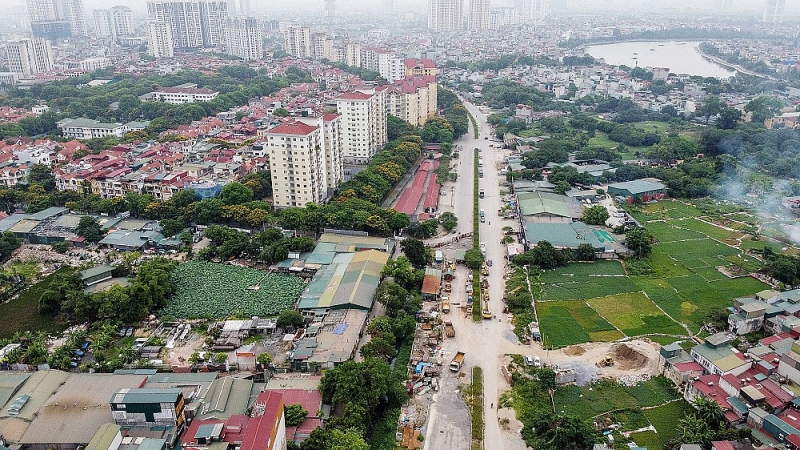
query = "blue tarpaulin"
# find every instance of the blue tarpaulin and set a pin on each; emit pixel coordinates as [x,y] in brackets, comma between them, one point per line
[421,366]
[340,329]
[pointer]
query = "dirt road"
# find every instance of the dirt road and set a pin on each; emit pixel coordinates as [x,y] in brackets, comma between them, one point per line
[486,343]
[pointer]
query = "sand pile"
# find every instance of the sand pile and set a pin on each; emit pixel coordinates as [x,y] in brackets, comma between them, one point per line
[575,350]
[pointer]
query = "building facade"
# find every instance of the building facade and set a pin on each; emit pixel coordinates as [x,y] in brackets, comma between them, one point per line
[297,42]
[72,12]
[194,23]
[89,129]
[363,124]
[413,99]
[478,15]
[445,15]
[160,42]
[297,164]
[773,11]
[243,38]
[331,126]
[30,56]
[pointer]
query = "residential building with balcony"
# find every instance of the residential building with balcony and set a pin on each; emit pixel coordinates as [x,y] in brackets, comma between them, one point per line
[363,124]
[297,164]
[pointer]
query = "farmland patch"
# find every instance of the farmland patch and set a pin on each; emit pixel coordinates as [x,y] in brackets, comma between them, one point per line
[208,290]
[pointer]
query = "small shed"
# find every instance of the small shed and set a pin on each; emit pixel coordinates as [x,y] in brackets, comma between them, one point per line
[97,274]
[431,284]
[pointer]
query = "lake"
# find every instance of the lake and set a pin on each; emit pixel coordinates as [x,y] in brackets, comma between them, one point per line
[679,57]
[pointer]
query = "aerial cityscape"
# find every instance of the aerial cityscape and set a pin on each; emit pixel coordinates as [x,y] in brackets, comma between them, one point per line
[400,224]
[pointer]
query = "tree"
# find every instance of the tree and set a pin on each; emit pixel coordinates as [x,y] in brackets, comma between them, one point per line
[290,318]
[562,187]
[709,412]
[347,440]
[281,112]
[546,256]
[596,215]
[295,414]
[728,118]
[89,228]
[639,240]
[171,227]
[763,108]
[717,317]
[584,252]
[43,176]
[265,359]
[236,193]
[473,258]
[449,221]
[60,246]
[416,252]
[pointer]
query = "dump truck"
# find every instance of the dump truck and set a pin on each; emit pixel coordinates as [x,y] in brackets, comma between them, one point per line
[445,304]
[448,287]
[485,270]
[457,362]
[449,331]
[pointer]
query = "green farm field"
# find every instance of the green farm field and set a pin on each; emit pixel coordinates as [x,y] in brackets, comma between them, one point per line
[635,315]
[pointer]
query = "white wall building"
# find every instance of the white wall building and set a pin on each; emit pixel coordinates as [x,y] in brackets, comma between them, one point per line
[72,12]
[30,56]
[363,124]
[180,94]
[297,41]
[445,15]
[160,42]
[89,129]
[331,126]
[478,15]
[243,38]
[297,164]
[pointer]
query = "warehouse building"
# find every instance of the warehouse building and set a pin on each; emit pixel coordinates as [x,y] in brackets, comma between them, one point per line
[644,189]
[349,281]
[148,406]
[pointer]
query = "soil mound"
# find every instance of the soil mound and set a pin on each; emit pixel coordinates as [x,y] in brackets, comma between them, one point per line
[627,357]
[575,350]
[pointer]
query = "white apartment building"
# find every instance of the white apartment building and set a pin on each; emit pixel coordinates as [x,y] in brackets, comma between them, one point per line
[122,21]
[331,126]
[363,124]
[102,23]
[13,175]
[445,15]
[243,38]
[413,99]
[42,10]
[72,12]
[160,42]
[194,23]
[180,94]
[30,56]
[478,14]
[92,64]
[297,164]
[531,11]
[297,41]
[773,11]
[88,128]
[114,22]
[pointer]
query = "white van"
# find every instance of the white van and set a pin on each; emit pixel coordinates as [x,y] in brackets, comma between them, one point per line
[537,362]
[528,360]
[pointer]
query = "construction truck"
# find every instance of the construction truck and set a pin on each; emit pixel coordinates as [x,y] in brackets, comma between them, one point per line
[485,269]
[449,331]
[608,361]
[448,287]
[445,305]
[457,362]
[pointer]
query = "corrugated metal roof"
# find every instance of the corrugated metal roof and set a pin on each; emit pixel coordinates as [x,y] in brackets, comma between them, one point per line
[146,395]
[104,437]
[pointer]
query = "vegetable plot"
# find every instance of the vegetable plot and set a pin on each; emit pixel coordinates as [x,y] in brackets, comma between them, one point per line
[208,290]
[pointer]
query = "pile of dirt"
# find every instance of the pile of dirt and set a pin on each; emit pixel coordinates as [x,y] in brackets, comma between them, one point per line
[575,350]
[627,358]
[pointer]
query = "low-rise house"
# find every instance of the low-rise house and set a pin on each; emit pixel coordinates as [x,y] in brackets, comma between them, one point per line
[717,356]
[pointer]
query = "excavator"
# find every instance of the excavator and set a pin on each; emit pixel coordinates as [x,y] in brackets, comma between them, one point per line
[608,361]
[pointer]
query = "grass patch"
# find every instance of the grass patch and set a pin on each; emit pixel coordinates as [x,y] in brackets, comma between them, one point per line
[665,418]
[606,396]
[559,328]
[635,314]
[29,270]
[667,232]
[473,397]
[22,313]
[648,440]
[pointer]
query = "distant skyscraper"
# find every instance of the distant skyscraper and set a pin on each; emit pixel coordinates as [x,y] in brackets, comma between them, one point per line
[42,10]
[194,23]
[30,56]
[478,14]
[243,38]
[72,12]
[114,22]
[160,42]
[531,11]
[445,15]
[330,8]
[773,11]
[244,8]
[297,41]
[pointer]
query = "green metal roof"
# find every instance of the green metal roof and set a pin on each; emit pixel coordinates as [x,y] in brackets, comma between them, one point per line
[146,395]
[534,203]
[636,187]
[104,437]
[97,270]
[562,235]
[47,213]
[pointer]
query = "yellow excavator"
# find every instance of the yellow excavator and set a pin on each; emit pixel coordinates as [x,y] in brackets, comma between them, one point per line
[608,361]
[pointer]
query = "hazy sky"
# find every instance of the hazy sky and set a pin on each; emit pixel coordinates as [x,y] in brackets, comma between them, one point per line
[419,5]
